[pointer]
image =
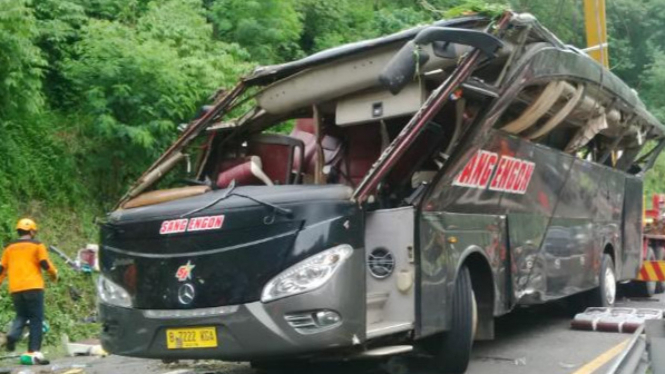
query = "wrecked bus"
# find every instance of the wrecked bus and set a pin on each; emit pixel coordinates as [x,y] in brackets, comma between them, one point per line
[433,180]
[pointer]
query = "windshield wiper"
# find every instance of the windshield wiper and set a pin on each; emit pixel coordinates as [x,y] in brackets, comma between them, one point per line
[288,213]
[229,192]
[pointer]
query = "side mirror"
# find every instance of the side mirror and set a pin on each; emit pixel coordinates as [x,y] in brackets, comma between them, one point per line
[401,69]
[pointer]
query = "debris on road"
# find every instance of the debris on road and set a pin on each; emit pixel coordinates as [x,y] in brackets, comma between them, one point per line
[67,368]
[521,361]
[63,256]
[624,320]
[83,348]
[567,365]
[74,371]
[201,366]
[88,258]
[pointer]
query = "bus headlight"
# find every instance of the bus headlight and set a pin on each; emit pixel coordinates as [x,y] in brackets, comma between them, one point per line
[110,293]
[306,275]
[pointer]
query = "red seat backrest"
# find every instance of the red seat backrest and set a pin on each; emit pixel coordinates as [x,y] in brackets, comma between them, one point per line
[239,170]
[277,153]
[304,130]
[363,148]
[332,146]
[275,159]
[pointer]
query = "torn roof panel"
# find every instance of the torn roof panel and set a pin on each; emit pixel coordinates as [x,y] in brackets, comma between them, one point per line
[267,74]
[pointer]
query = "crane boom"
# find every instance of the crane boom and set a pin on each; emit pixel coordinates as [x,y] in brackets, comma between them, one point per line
[596,30]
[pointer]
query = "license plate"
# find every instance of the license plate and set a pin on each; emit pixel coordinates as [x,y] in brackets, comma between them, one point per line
[189,338]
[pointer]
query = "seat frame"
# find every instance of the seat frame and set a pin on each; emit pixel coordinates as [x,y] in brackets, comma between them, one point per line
[292,143]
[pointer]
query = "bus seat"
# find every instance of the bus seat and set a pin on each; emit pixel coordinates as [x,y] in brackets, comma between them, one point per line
[277,153]
[247,171]
[331,146]
[304,130]
[363,148]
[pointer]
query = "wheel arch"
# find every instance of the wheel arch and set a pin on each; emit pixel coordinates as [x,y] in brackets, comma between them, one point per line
[484,289]
[610,250]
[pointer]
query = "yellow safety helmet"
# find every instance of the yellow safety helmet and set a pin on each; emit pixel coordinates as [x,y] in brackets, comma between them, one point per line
[26,224]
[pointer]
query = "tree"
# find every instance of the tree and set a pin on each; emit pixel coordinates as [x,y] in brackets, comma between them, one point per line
[21,63]
[268,29]
[632,34]
[136,83]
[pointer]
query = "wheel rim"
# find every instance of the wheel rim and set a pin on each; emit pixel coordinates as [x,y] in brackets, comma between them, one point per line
[610,286]
[474,315]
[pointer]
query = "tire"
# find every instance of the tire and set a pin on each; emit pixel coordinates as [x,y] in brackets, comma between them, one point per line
[605,294]
[455,351]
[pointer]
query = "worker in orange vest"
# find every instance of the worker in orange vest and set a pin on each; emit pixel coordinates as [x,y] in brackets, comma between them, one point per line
[23,261]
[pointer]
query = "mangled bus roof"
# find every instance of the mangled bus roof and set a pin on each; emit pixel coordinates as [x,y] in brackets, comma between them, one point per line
[584,69]
[531,57]
[267,74]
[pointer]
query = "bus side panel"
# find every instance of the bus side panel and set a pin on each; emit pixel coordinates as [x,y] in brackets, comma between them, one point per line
[474,218]
[610,202]
[447,239]
[529,216]
[584,222]
[631,254]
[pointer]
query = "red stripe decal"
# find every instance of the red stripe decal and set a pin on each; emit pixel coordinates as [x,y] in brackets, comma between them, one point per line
[658,270]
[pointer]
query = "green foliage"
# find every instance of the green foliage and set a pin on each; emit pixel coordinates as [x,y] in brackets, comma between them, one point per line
[476,7]
[20,60]
[327,24]
[137,82]
[635,30]
[654,78]
[654,182]
[58,22]
[268,29]
[388,21]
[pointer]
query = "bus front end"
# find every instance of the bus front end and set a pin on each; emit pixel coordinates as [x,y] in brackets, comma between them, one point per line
[266,272]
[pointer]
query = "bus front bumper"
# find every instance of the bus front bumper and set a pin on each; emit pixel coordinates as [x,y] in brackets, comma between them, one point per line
[297,326]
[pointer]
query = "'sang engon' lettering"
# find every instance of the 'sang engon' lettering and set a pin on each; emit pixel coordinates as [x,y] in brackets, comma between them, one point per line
[499,173]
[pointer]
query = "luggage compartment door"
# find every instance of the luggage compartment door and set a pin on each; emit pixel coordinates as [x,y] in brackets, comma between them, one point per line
[389,246]
[631,250]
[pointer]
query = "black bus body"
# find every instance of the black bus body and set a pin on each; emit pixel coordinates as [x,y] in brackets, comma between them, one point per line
[400,215]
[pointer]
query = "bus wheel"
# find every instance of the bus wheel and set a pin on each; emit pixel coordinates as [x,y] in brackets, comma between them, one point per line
[455,352]
[605,294]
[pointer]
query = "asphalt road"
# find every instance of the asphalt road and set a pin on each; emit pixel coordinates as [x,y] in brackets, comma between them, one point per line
[530,340]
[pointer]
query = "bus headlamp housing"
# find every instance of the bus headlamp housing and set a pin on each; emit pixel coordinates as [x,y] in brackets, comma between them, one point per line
[306,275]
[112,294]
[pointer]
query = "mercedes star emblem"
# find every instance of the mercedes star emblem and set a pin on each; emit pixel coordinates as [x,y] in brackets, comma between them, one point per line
[186,294]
